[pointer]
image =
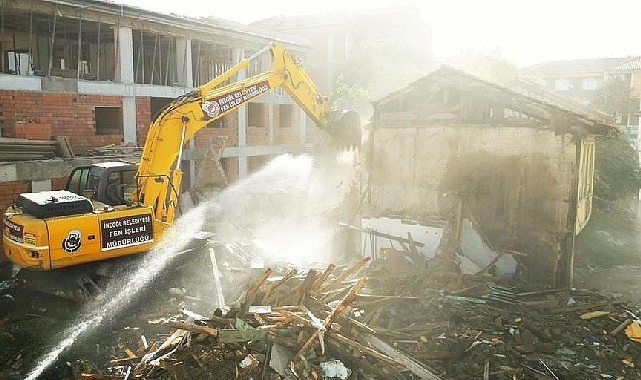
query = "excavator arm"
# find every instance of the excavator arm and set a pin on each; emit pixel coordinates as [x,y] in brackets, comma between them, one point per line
[159,170]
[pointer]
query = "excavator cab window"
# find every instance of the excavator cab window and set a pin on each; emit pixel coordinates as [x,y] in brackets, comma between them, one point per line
[120,184]
[78,180]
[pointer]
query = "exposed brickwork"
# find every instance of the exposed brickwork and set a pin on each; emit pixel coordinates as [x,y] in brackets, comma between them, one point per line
[257,135]
[58,183]
[143,118]
[230,165]
[286,135]
[29,130]
[56,114]
[9,191]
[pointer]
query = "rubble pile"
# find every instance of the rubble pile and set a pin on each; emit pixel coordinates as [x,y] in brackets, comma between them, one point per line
[389,320]
[296,325]
[396,317]
[486,327]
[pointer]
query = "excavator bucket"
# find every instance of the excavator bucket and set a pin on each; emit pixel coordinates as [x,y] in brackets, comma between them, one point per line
[346,129]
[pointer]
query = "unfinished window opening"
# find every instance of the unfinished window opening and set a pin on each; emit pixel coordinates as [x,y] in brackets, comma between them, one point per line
[154,58]
[286,115]
[40,40]
[210,60]
[108,121]
[255,115]
[18,62]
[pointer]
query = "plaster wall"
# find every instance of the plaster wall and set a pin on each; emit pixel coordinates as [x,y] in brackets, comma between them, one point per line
[515,183]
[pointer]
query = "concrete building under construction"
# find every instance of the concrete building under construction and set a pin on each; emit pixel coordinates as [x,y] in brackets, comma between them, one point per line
[95,73]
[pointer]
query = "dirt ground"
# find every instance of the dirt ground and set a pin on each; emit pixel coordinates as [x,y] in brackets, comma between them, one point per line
[620,281]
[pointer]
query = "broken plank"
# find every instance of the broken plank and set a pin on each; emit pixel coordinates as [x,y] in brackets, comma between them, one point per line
[349,298]
[412,365]
[239,336]
[194,328]
[93,376]
[319,281]
[345,274]
[373,353]
[270,289]
[251,293]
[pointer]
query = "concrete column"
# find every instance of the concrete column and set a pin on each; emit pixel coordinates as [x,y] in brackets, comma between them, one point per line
[242,121]
[125,55]
[184,71]
[129,119]
[37,186]
[125,74]
[270,123]
[185,78]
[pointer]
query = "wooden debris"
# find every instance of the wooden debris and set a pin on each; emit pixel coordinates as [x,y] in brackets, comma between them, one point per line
[345,274]
[251,293]
[409,330]
[594,314]
[621,326]
[194,328]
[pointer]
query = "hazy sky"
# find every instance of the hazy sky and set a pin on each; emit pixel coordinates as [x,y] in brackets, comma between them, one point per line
[525,32]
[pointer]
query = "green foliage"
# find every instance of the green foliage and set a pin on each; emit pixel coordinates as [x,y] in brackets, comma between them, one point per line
[349,96]
[617,174]
[615,98]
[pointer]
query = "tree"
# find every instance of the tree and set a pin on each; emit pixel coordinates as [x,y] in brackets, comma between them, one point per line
[616,99]
[617,174]
[349,96]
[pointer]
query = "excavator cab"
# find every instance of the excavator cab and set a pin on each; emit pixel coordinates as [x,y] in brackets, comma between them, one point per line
[108,182]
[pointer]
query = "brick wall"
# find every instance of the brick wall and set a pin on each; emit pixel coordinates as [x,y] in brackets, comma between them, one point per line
[9,191]
[40,115]
[58,183]
[143,118]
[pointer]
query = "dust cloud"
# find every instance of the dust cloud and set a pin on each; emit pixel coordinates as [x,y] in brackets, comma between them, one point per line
[289,208]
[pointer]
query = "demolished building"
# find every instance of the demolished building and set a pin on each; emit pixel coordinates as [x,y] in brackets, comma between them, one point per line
[519,170]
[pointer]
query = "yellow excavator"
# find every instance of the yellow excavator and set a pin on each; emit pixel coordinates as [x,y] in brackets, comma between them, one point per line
[114,209]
